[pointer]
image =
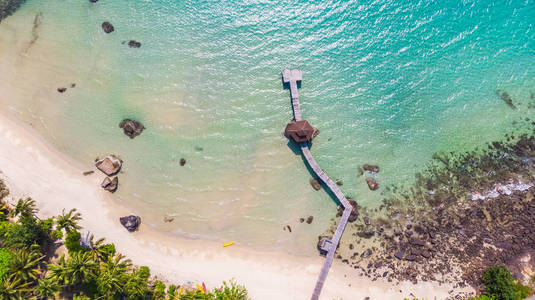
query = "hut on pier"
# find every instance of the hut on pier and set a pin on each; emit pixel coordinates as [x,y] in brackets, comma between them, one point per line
[300,131]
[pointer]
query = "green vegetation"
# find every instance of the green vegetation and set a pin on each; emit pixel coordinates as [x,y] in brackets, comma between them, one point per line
[93,270]
[501,285]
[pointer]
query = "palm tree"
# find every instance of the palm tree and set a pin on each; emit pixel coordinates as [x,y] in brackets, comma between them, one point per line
[46,288]
[24,264]
[112,275]
[25,208]
[99,250]
[80,268]
[69,221]
[13,288]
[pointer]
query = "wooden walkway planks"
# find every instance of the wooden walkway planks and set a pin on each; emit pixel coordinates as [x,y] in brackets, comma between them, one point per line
[292,77]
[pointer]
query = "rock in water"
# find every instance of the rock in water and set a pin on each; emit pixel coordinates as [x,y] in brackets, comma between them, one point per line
[110,184]
[62,89]
[371,168]
[372,183]
[131,223]
[507,99]
[88,173]
[134,44]
[131,128]
[309,219]
[354,213]
[107,27]
[110,165]
[315,184]
[182,162]
[168,219]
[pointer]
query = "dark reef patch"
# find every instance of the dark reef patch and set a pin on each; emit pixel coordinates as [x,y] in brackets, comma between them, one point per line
[8,7]
[445,227]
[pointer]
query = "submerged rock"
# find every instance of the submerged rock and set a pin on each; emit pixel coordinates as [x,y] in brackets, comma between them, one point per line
[506,98]
[110,184]
[107,27]
[131,128]
[371,168]
[372,183]
[134,44]
[131,223]
[110,165]
[315,184]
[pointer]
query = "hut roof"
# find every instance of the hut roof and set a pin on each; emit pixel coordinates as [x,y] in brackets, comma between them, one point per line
[300,131]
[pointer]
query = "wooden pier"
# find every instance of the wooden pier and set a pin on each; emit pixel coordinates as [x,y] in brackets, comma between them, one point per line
[292,77]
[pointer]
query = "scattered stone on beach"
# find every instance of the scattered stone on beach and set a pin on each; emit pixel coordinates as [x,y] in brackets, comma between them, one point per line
[62,89]
[73,85]
[506,98]
[366,253]
[110,184]
[131,223]
[399,255]
[315,184]
[88,173]
[301,220]
[110,165]
[168,219]
[309,219]
[372,183]
[134,44]
[339,182]
[182,162]
[107,27]
[289,228]
[371,168]
[131,128]
[367,221]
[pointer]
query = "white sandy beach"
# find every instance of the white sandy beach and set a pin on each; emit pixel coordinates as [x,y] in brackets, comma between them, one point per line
[33,168]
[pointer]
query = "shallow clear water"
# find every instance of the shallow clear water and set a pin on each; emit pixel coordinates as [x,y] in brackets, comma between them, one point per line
[386,82]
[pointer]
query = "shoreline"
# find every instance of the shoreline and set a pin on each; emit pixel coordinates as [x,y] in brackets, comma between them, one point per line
[32,168]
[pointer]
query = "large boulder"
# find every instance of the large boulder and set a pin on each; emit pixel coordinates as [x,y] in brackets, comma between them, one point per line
[315,184]
[131,223]
[110,184]
[110,165]
[131,128]
[372,183]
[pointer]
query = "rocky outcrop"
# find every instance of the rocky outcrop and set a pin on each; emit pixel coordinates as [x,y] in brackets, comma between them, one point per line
[110,184]
[131,128]
[372,183]
[110,165]
[131,223]
[107,27]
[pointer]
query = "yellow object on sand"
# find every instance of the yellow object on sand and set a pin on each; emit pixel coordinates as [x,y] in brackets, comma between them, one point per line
[228,244]
[180,291]
[200,288]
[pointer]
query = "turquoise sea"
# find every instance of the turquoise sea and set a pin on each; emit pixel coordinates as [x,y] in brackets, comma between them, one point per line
[387,82]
